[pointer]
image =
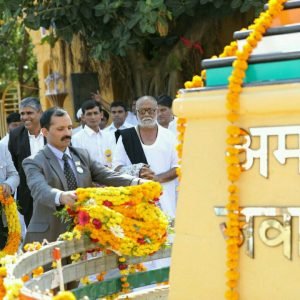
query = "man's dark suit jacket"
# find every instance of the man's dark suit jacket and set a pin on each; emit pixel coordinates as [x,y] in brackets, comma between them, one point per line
[46,178]
[19,148]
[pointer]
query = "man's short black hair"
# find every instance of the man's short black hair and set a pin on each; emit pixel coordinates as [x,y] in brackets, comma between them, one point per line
[47,115]
[13,117]
[165,100]
[118,103]
[90,104]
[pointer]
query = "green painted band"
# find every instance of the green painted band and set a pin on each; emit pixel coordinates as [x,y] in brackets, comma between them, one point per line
[111,286]
[260,72]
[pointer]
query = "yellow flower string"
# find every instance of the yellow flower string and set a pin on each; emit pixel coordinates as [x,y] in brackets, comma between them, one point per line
[124,271]
[181,125]
[13,223]
[234,138]
[235,134]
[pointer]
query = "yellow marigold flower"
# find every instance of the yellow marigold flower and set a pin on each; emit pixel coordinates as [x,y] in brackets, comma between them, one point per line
[231,295]
[25,278]
[188,84]
[233,130]
[197,81]
[2,272]
[122,259]
[65,295]
[75,257]
[85,280]
[38,271]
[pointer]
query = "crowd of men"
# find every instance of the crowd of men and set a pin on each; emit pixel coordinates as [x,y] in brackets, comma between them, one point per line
[43,159]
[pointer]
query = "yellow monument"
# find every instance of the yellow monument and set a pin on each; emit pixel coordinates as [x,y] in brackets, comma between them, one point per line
[269,186]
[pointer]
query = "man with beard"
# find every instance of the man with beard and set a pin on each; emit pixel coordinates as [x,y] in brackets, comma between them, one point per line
[24,141]
[54,173]
[148,151]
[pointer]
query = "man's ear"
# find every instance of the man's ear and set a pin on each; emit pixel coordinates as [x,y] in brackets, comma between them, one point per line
[44,132]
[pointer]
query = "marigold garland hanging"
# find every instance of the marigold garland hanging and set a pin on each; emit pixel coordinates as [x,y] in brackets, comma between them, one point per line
[234,137]
[13,223]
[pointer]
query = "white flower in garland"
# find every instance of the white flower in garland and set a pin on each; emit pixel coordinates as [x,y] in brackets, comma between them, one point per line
[117,231]
[91,201]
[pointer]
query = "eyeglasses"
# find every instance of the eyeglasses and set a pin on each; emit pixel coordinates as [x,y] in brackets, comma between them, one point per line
[150,111]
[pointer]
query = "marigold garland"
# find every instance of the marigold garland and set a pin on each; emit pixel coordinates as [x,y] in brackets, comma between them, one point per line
[181,126]
[124,219]
[13,223]
[235,136]
[124,271]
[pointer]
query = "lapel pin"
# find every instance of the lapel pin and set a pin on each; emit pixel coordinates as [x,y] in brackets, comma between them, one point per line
[79,170]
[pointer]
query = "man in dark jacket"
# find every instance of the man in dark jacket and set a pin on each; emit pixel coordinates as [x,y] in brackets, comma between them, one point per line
[23,142]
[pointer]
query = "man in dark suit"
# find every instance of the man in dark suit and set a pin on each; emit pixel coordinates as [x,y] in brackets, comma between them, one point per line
[23,142]
[56,171]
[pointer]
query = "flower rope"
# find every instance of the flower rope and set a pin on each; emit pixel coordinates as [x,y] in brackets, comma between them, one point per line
[13,223]
[235,138]
[235,135]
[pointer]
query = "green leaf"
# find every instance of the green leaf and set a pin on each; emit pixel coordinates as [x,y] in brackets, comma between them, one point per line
[136,18]
[32,22]
[106,18]
[86,12]
[218,3]
[236,3]
[246,6]
[65,33]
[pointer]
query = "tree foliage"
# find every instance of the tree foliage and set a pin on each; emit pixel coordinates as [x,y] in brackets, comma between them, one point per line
[153,46]
[18,64]
[111,27]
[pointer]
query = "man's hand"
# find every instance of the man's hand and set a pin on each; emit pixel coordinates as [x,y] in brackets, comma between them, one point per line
[97,97]
[68,198]
[6,189]
[146,173]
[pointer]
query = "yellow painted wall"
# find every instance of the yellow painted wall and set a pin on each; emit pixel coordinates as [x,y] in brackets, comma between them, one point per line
[198,258]
[66,59]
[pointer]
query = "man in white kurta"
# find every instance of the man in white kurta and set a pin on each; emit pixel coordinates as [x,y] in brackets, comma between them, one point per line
[161,154]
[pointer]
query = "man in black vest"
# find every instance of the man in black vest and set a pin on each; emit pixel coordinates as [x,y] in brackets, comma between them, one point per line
[23,142]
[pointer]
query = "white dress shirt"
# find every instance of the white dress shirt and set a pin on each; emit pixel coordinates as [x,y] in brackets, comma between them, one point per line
[112,128]
[98,144]
[36,142]
[5,139]
[131,118]
[173,126]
